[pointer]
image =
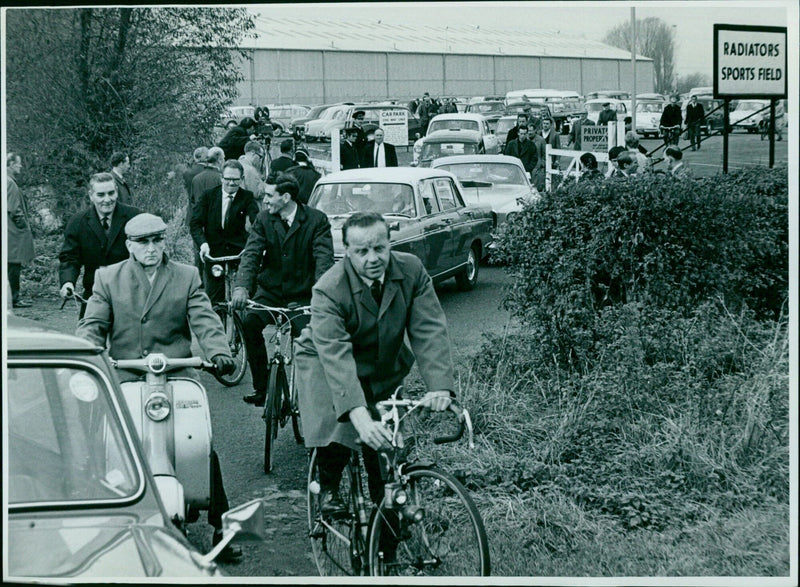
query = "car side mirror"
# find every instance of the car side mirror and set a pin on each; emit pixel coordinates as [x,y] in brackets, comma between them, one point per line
[394,226]
[244,523]
[417,135]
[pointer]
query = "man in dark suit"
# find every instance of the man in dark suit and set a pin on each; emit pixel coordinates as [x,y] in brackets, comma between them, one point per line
[305,174]
[607,114]
[348,154]
[513,133]
[378,153]
[120,165]
[290,246]
[694,118]
[218,223]
[354,353]
[285,161]
[207,179]
[198,160]
[94,237]
[524,149]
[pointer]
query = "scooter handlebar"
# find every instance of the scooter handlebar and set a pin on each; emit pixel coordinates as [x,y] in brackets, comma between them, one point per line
[159,363]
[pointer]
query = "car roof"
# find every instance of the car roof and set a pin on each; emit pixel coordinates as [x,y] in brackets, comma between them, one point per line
[459,116]
[603,100]
[383,174]
[457,136]
[485,158]
[24,335]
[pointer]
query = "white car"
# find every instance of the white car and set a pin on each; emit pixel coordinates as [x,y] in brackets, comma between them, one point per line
[320,129]
[461,121]
[648,117]
[497,180]
[595,106]
[750,113]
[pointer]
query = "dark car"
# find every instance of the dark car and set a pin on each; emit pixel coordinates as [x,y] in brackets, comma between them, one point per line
[539,110]
[82,503]
[443,143]
[372,118]
[426,214]
[714,114]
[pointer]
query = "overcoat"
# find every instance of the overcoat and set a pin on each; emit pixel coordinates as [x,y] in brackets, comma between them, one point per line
[207,179]
[368,155]
[307,177]
[87,245]
[206,223]
[20,237]
[157,319]
[123,189]
[353,353]
[349,157]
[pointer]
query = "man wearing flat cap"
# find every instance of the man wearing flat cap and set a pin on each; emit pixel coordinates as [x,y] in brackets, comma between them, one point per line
[305,174]
[348,154]
[607,115]
[149,304]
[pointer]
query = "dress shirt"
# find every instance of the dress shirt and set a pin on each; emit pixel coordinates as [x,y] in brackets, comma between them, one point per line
[379,156]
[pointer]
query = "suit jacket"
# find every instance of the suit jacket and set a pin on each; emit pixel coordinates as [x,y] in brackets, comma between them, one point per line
[280,164]
[307,177]
[349,156]
[524,151]
[189,175]
[207,179]
[353,353]
[607,116]
[123,189]
[286,265]
[368,155]
[206,223]
[139,319]
[694,114]
[87,245]
[20,237]
[234,141]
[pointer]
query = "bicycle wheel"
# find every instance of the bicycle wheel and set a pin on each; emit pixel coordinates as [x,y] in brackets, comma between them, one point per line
[234,334]
[272,411]
[336,541]
[449,540]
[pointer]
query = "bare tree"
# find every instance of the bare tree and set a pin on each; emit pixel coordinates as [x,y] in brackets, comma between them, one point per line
[693,80]
[654,39]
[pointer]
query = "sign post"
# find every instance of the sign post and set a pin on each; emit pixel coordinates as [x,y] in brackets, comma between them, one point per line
[395,126]
[750,62]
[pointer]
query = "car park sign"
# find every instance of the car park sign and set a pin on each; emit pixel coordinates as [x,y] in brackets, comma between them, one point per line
[750,61]
[395,126]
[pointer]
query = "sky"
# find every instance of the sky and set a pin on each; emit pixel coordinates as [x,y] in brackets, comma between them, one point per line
[693,20]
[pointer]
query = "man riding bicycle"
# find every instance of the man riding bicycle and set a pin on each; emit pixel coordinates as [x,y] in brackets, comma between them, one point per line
[354,354]
[289,248]
[671,120]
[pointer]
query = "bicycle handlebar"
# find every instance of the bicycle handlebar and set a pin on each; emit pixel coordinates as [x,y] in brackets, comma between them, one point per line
[159,363]
[293,307]
[224,259]
[462,415]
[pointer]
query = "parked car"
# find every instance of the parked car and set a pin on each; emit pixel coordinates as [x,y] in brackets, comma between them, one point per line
[504,124]
[595,106]
[648,117]
[444,143]
[372,118]
[320,128]
[497,180]
[233,114]
[745,117]
[298,124]
[467,121]
[282,115]
[426,213]
[613,94]
[539,110]
[713,110]
[491,109]
[82,503]
[653,97]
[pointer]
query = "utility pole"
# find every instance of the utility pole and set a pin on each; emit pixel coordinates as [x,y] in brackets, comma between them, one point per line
[633,63]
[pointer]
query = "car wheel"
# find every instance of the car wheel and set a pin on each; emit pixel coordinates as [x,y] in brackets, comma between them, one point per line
[468,278]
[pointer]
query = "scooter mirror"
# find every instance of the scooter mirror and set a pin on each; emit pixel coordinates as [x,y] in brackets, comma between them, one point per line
[246,520]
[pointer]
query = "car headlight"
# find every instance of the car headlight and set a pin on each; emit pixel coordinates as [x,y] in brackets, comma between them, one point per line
[216,270]
[157,406]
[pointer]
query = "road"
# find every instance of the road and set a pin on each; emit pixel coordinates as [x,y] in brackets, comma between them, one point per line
[239,437]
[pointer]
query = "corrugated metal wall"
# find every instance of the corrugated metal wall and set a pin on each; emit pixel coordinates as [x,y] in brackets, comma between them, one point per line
[314,77]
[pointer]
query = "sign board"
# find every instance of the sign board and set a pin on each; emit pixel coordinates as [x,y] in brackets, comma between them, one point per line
[750,61]
[395,126]
[594,138]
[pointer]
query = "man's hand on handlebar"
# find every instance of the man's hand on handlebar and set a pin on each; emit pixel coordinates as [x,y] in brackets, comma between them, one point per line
[224,364]
[371,432]
[239,298]
[437,401]
[205,250]
[67,290]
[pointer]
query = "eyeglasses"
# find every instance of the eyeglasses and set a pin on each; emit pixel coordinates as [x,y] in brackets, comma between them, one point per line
[153,240]
[232,179]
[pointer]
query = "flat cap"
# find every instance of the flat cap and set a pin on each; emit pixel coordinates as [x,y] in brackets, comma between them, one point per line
[606,104]
[144,225]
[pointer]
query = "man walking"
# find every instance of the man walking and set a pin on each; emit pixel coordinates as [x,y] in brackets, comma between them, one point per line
[524,149]
[218,223]
[120,165]
[513,132]
[305,174]
[286,159]
[94,237]
[694,119]
[20,237]
[348,154]
[378,153]
[208,178]
[289,248]
[253,162]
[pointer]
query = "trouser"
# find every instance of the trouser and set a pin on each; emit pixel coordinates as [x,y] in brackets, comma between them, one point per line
[198,263]
[332,459]
[219,500]
[14,271]
[694,135]
[254,323]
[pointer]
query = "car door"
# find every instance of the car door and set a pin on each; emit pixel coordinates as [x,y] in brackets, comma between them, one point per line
[436,230]
[462,220]
[489,138]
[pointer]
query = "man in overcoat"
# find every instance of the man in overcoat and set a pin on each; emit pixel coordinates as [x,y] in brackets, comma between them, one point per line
[20,237]
[149,304]
[354,354]
[289,247]
[218,223]
[94,237]
[120,165]
[524,149]
[348,153]
[378,153]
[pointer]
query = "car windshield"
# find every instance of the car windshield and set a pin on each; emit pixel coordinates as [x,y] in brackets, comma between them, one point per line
[391,199]
[649,106]
[316,111]
[504,125]
[432,150]
[495,173]
[487,107]
[452,124]
[748,106]
[520,108]
[594,107]
[65,440]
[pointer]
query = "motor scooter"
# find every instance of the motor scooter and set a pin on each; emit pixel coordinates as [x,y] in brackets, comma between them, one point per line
[172,418]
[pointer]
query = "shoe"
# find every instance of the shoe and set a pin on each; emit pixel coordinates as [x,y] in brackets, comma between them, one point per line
[255,398]
[22,304]
[229,554]
[330,504]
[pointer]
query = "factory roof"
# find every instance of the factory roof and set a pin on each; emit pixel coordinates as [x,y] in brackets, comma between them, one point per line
[380,36]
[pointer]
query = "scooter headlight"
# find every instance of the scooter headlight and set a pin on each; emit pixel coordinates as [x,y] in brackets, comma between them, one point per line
[156,363]
[157,407]
[216,270]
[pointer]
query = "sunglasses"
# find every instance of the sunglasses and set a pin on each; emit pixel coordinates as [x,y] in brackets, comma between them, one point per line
[154,240]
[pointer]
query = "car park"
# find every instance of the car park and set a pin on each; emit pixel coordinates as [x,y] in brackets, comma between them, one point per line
[298,124]
[82,502]
[444,143]
[497,180]
[595,106]
[426,213]
[468,122]
[372,118]
[648,117]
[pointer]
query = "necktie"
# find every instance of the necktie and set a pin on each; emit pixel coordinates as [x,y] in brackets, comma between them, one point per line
[377,148]
[105,224]
[375,290]
[225,207]
[286,224]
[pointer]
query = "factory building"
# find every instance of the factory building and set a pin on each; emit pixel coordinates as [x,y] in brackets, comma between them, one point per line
[313,62]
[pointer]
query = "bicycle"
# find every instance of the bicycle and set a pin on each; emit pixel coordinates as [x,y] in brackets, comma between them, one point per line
[281,396]
[231,321]
[670,134]
[426,523]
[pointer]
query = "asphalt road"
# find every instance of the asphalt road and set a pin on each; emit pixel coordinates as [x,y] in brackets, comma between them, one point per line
[239,437]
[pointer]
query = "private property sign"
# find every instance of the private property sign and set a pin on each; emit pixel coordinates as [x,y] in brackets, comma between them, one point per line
[750,61]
